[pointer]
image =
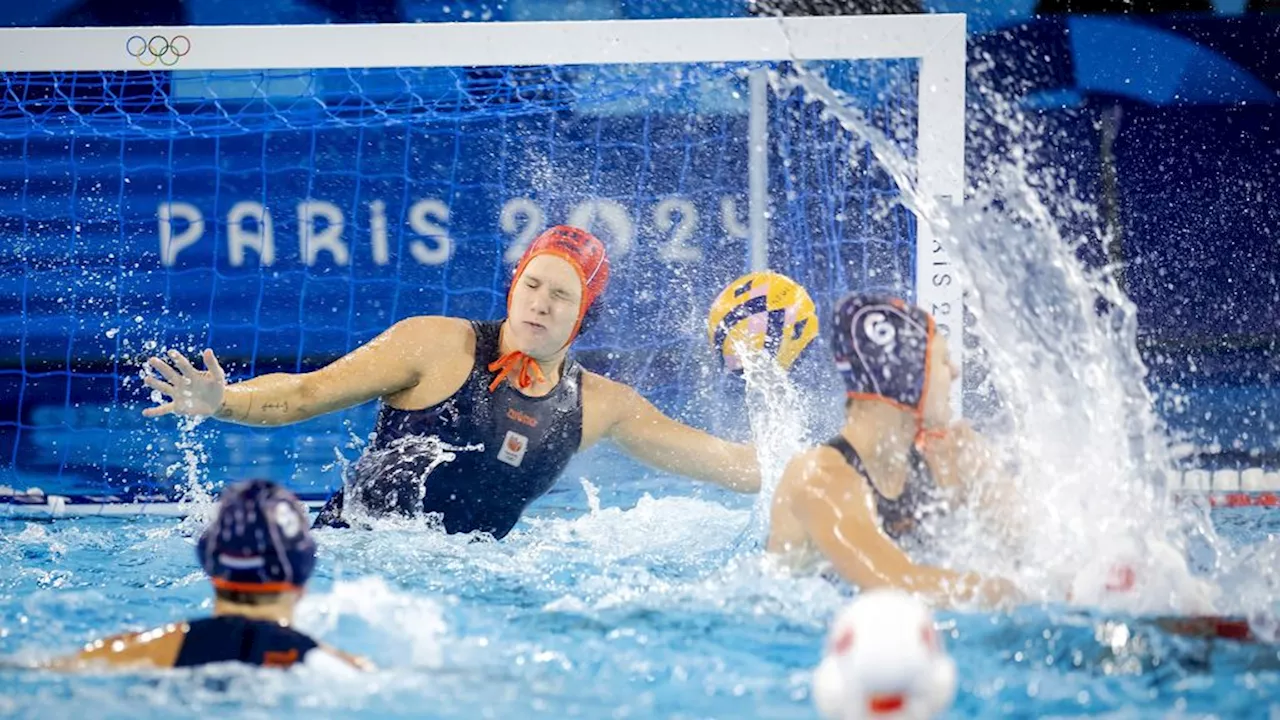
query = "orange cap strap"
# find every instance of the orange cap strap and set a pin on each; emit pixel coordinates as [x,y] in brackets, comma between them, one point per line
[521,364]
[923,437]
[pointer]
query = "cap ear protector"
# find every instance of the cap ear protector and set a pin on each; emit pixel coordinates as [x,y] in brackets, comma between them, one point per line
[590,317]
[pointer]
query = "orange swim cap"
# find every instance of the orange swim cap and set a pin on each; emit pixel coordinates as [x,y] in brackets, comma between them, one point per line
[586,254]
[580,249]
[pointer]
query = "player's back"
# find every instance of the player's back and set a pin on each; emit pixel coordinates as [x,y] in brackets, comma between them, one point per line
[235,638]
[217,639]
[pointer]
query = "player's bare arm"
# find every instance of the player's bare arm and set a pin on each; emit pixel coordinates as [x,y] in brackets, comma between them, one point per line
[837,511]
[620,413]
[398,360]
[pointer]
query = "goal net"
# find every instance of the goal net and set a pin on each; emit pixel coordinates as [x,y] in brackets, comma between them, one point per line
[283,194]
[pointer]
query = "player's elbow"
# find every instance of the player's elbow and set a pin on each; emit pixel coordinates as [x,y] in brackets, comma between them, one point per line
[306,400]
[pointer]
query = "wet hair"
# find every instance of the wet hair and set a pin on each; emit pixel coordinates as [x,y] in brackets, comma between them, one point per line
[246,598]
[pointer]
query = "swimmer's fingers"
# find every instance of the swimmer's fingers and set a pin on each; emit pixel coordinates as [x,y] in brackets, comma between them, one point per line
[188,370]
[159,410]
[156,383]
[211,364]
[165,370]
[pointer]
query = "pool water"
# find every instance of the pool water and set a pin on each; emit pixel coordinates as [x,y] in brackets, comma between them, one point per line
[641,597]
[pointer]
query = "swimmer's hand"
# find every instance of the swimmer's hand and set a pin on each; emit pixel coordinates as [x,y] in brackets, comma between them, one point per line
[189,391]
[992,592]
[996,592]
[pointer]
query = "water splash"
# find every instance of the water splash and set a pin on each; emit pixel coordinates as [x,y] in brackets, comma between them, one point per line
[1058,343]
[779,417]
[593,496]
[410,626]
[195,491]
[399,468]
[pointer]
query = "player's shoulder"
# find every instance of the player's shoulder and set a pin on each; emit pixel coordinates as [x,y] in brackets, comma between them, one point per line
[818,459]
[598,388]
[817,468]
[438,333]
[441,325]
[158,647]
[610,399]
[174,632]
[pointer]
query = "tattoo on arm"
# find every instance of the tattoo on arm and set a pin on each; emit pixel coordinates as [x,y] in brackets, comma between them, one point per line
[281,406]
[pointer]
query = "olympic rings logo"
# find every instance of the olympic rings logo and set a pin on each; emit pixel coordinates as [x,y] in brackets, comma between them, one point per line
[159,49]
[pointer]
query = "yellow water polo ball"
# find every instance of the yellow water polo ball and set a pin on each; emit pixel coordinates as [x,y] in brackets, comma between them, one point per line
[762,312]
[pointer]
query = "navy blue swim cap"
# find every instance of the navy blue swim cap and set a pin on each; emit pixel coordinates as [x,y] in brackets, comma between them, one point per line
[259,542]
[882,348]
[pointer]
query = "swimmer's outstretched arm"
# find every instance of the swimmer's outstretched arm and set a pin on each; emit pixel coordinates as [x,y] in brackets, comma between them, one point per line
[157,648]
[359,662]
[838,514]
[395,360]
[661,442]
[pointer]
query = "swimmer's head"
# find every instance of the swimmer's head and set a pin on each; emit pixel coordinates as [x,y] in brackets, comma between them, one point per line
[888,351]
[556,284]
[260,543]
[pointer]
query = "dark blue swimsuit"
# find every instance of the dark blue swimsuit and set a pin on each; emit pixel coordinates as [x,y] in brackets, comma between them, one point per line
[527,442]
[906,516]
[230,638]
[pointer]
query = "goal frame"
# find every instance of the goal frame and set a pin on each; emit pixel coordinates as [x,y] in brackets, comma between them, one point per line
[938,41]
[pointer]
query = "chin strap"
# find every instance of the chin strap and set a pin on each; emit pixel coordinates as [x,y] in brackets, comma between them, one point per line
[923,436]
[519,363]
